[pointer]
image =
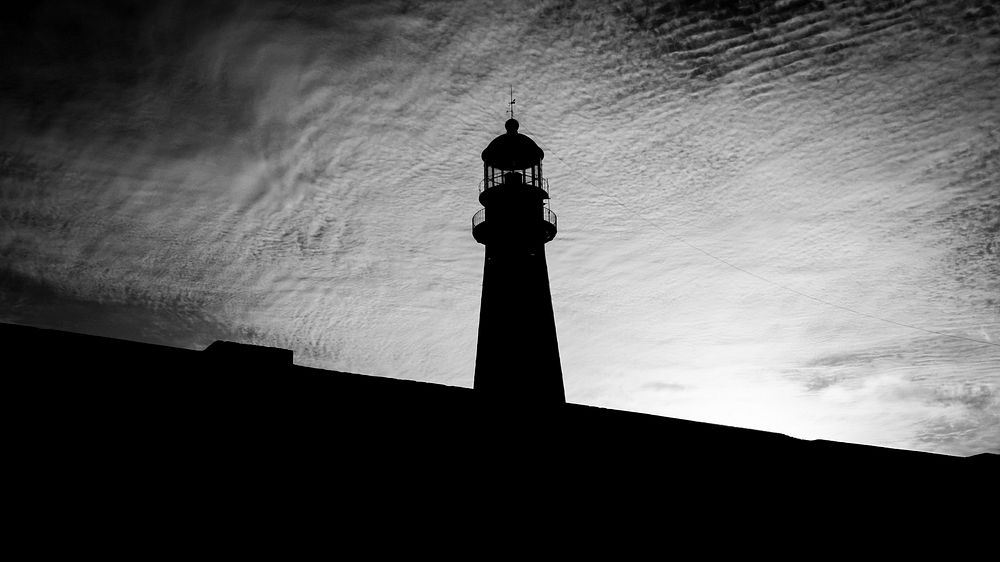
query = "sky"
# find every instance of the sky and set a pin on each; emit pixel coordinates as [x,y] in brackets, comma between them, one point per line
[775,215]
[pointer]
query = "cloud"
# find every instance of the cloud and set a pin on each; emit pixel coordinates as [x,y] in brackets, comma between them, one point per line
[663,386]
[303,175]
[31,301]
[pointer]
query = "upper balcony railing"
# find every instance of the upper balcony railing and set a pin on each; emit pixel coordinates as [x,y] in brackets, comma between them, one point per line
[540,183]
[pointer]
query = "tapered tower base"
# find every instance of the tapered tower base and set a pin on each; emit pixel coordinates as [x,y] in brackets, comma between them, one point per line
[517,359]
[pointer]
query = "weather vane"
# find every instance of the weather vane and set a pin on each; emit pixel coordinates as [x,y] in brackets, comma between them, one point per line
[512,101]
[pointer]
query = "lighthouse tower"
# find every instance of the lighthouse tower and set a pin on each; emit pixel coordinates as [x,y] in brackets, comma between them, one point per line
[517,358]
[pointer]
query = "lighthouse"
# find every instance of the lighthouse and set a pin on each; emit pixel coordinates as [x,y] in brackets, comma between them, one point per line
[517,355]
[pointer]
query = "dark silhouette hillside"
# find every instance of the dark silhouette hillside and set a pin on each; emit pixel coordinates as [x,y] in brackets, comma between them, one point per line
[151,429]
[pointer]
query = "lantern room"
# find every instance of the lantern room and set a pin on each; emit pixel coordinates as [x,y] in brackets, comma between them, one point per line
[512,159]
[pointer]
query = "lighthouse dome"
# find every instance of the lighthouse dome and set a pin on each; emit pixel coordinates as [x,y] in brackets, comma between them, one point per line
[512,150]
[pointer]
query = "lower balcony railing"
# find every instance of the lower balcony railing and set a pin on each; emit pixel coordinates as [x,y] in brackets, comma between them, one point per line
[547,215]
[478,218]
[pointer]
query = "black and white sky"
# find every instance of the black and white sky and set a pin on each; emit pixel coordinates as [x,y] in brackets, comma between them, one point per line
[780,215]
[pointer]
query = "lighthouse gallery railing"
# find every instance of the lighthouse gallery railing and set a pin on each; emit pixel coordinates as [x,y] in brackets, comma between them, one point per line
[491,182]
[547,215]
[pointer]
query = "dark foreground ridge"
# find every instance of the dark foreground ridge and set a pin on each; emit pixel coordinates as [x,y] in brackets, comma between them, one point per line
[127,421]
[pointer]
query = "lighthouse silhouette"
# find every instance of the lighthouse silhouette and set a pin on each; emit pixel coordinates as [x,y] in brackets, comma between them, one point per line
[517,356]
